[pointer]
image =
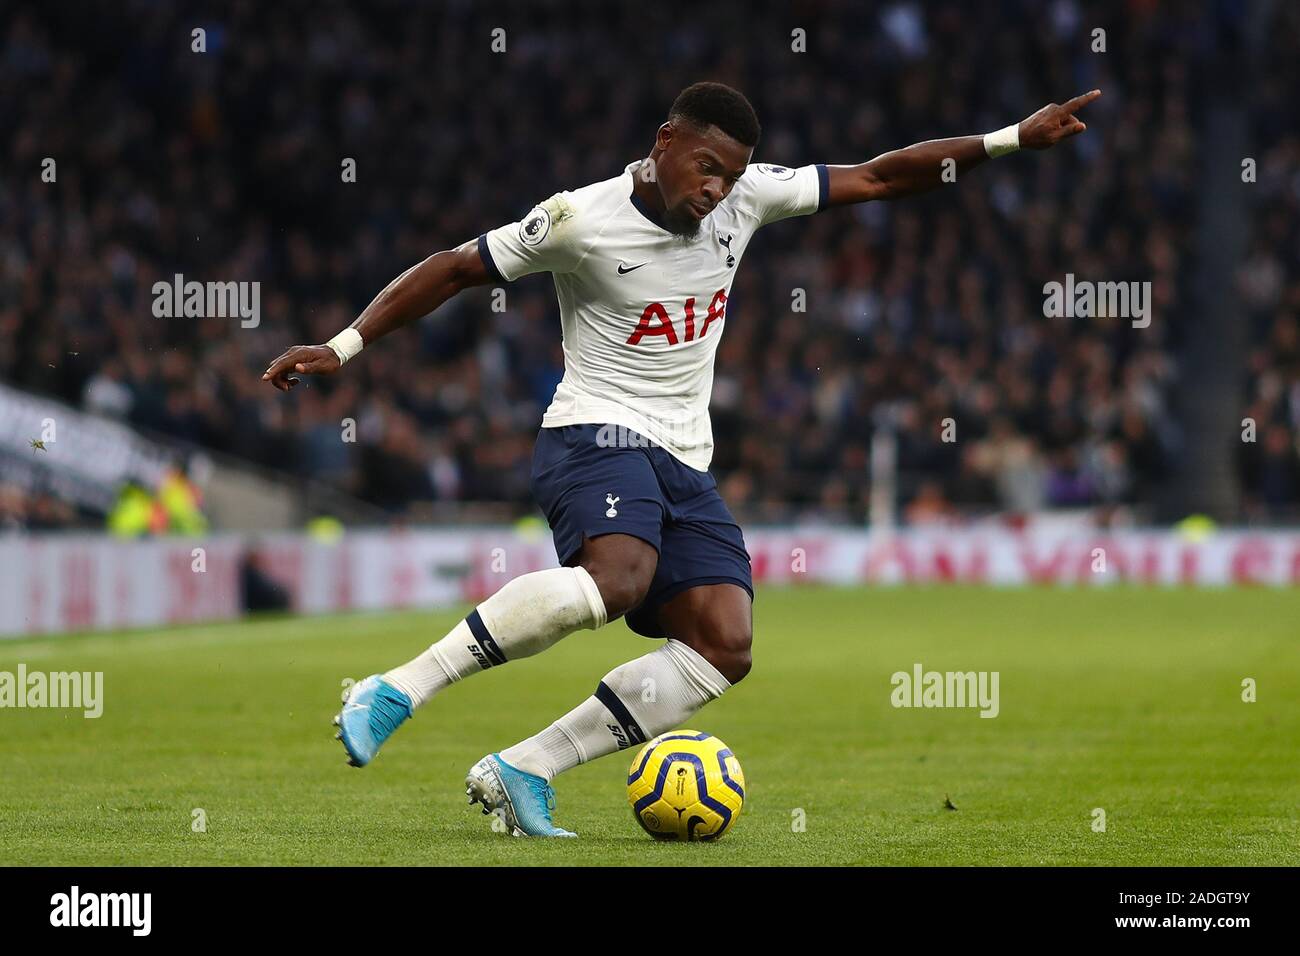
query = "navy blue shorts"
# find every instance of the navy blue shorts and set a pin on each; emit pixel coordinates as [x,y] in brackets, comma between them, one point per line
[591,482]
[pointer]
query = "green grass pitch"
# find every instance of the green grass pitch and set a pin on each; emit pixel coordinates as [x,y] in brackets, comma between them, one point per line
[1129,700]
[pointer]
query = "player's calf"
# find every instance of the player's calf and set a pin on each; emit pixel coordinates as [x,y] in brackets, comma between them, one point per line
[528,615]
[715,621]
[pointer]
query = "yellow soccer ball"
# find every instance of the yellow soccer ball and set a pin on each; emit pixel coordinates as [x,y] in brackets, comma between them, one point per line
[686,785]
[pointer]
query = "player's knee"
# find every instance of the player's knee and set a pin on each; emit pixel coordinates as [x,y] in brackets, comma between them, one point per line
[622,591]
[728,648]
[623,582]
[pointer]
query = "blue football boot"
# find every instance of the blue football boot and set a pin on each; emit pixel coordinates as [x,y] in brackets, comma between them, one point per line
[373,710]
[524,801]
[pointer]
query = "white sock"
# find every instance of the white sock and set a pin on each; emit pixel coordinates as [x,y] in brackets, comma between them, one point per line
[635,702]
[525,617]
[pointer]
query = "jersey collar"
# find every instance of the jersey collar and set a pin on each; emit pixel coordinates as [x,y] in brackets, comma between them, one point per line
[649,213]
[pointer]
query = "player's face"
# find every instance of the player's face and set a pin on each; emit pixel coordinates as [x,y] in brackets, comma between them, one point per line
[695,171]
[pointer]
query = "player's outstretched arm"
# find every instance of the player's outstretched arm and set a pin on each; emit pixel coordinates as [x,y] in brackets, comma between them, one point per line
[919,168]
[416,292]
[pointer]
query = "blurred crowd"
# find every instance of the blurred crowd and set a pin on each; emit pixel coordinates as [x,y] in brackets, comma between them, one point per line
[924,319]
[1269,288]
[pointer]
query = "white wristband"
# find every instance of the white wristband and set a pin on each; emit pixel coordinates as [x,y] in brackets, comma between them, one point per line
[1005,140]
[346,344]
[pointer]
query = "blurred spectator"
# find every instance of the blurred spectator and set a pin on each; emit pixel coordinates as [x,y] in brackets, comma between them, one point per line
[260,590]
[929,507]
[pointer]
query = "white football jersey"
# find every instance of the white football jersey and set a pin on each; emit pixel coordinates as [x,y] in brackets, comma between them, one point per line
[642,309]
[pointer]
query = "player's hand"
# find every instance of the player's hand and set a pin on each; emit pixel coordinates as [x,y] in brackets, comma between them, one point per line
[303,359]
[1054,122]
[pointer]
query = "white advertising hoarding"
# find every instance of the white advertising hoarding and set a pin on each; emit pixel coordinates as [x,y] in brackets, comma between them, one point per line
[57,584]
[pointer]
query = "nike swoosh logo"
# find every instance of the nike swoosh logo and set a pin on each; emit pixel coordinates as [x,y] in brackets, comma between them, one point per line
[622,271]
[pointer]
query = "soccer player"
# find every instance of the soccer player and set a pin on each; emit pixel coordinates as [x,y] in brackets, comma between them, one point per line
[642,263]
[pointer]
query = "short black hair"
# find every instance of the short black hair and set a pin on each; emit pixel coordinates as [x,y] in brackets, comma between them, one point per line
[716,104]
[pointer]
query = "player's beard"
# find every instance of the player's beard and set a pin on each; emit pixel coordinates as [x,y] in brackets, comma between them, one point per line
[682,224]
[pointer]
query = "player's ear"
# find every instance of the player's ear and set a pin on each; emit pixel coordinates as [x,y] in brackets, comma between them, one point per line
[665,135]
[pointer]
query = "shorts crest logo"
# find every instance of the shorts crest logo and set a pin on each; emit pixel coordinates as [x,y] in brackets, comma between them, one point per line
[534,228]
[611,500]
